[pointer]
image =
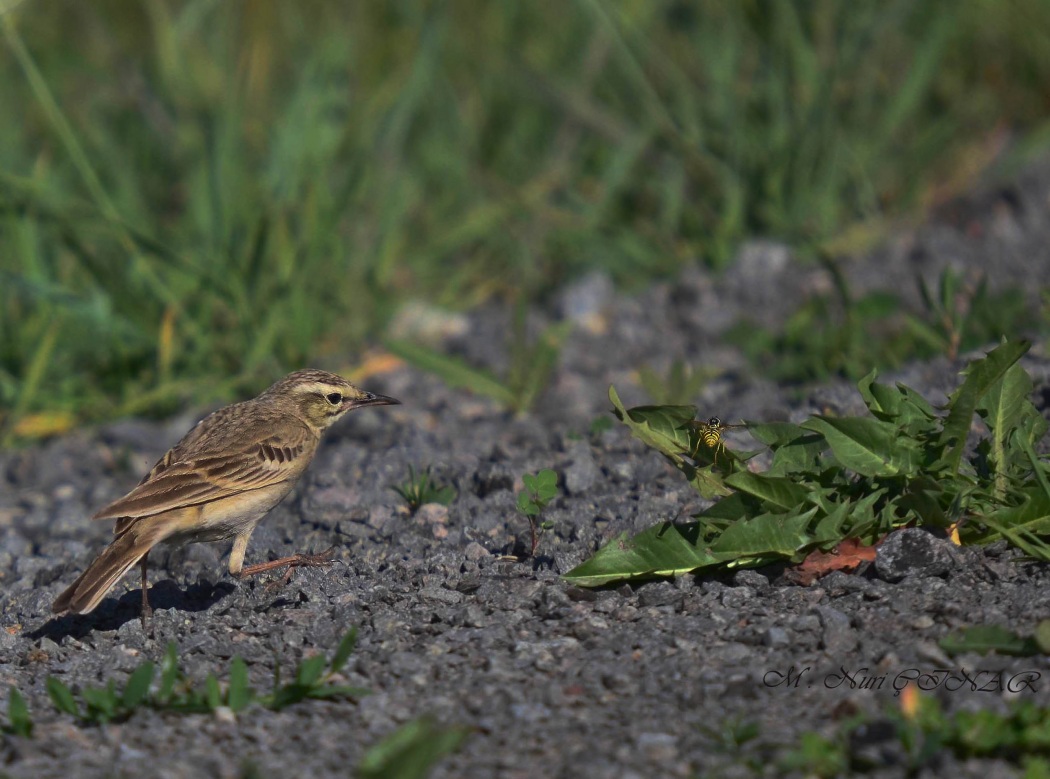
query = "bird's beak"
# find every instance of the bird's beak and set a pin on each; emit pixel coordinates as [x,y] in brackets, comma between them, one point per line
[370,399]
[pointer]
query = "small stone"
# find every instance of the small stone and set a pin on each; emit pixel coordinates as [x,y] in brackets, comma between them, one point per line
[582,472]
[839,637]
[737,597]
[776,638]
[912,552]
[475,552]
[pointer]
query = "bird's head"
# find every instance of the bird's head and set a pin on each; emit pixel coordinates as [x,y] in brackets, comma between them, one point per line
[320,398]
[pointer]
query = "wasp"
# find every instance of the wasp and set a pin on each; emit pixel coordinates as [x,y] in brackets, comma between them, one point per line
[709,434]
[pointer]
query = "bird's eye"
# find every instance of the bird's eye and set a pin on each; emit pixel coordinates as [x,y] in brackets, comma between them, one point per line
[334,398]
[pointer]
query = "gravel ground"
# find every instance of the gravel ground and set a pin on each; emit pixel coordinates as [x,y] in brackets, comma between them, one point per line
[634,681]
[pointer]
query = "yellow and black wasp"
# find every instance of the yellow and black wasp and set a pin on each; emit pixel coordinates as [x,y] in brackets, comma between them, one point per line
[709,434]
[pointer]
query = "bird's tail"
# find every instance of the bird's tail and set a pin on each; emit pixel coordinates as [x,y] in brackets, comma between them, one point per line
[91,587]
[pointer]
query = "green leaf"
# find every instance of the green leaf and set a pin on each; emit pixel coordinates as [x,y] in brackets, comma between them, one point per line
[546,485]
[666,429]
[411,751]
[18,718]
[867,446]
[338,691]
[669,549]
[780,493]
[169,673]
[989,638]
[980,376]
[1023,524]
[212,692]
[531,483]
[310,670]
[137,688]
[1042,636]
[101,702]
[343,651]
[239,693]
[62,697]
[527,505]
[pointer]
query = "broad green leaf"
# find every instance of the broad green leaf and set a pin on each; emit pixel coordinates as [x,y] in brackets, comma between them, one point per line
[989,638]
[137,688]
[411,751]
[665,428]
[343,651]
[546,484]
[782,494]
[239,692]
[980,376]
[867,446]
[767,535]
[829,529]
[733,507]
[775,434]
[669,549]
[310,670]
[62,697]
[530,482]
[882,404]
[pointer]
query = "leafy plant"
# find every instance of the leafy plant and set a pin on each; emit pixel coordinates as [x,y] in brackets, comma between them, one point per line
[174,692]
[994,638]
[856,477]
[420,488]
[19,722]
[411,751]
[539,491]
[528,373]
[313,680]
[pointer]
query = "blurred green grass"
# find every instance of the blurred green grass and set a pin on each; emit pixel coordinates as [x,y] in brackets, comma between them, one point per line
[199,195]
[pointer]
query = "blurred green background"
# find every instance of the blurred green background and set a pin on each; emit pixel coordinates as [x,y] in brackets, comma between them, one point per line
[198,195]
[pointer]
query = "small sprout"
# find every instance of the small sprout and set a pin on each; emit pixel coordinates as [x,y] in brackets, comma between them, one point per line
[18,721]
[99,705]
[412,750]
[539,491]
[420,488]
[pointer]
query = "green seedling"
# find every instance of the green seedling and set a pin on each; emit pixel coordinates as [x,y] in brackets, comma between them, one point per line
[420,488]
[411,751]
[925,732]
[314,679]
[19,722]
[833,478]
[539,491]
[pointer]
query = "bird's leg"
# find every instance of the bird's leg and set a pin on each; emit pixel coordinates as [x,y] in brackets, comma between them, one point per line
[292,562]
[147,610]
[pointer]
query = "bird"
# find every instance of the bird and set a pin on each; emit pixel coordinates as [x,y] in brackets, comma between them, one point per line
[219,481]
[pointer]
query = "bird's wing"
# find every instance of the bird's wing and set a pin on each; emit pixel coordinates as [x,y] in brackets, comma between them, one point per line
[183,478]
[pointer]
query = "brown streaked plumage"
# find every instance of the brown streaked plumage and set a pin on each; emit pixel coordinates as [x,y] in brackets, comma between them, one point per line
[221,479]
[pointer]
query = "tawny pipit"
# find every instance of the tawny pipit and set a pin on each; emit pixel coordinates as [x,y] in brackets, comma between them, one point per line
[220,480]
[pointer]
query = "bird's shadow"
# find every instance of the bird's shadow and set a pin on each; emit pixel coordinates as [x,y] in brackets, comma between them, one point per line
[113,613]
